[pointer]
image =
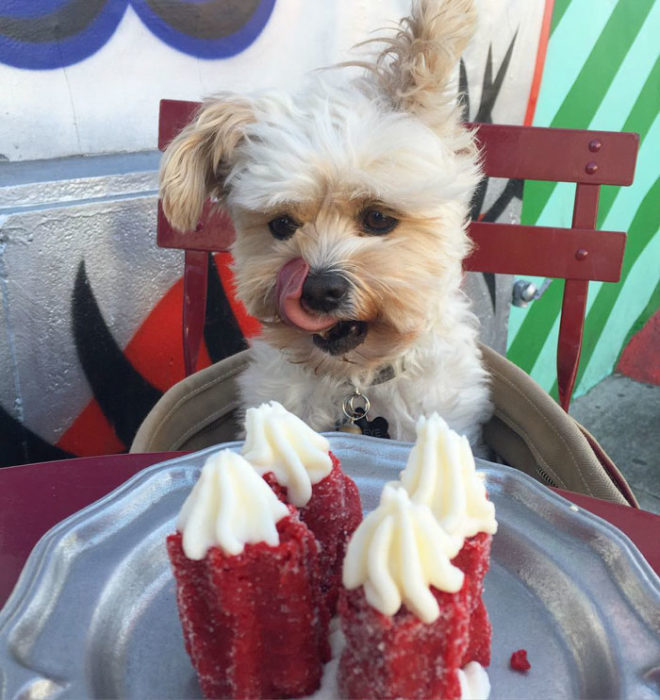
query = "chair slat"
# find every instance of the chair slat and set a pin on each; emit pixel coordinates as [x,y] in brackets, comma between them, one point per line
[562,155]
[578,254]
[173,116]
[574,302]
[544,251]
[195,284]
[214,233]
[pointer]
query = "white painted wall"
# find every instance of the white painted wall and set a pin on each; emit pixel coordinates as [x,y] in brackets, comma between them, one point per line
[109,101]
[56,213]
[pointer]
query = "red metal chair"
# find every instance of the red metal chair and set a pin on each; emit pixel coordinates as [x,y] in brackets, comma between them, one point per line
[577,254]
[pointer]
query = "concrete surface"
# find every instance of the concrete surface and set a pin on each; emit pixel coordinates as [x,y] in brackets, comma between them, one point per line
[624,416]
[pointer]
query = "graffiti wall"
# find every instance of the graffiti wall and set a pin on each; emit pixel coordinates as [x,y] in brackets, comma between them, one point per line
[602,71]
[85,76]
[90,312]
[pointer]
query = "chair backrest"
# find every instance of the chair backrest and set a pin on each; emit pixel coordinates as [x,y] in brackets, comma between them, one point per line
[577,254]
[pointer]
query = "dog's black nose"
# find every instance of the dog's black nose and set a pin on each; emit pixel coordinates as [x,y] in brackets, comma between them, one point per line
[324,291]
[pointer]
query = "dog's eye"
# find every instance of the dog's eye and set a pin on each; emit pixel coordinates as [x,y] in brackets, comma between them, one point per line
[377,223]
[283,227]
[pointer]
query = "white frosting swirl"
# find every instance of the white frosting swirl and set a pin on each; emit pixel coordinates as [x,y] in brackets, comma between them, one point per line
[229,506]
[397,552]
[441,474]
[279,442]
[475,684]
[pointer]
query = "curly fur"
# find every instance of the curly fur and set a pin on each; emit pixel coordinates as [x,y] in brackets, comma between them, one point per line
[389,139]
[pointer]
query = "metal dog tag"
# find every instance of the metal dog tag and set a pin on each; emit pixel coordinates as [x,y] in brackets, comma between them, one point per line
[356,407]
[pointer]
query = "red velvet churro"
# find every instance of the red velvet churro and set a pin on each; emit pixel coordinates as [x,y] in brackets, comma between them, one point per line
[253,620]
[411,624]
[297,463]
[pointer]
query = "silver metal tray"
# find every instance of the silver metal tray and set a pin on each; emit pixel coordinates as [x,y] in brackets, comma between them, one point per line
[93,614]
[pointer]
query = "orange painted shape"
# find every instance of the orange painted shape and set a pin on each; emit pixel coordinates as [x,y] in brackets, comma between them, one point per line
[640,359]
[156,353]
[541,51]
[91,434]
[156,348]
[249,325]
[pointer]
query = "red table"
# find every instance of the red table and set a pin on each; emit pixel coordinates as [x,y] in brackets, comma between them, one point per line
[34,497]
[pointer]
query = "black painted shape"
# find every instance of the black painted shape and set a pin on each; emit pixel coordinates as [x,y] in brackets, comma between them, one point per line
[68,20]
[222,334]
[211,19]
[123,395]
[513,188]
[478,199]
[463,91]
[489,93]
[19,445]
[491,88]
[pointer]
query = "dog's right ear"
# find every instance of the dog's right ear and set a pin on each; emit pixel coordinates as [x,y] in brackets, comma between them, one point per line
[196,162]
[415,66]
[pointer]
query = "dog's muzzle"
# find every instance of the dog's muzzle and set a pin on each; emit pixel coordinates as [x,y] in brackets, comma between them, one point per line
[309,301]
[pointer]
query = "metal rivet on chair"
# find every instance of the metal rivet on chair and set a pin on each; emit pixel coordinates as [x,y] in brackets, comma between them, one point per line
[595,145]
[581,254]
[590,168]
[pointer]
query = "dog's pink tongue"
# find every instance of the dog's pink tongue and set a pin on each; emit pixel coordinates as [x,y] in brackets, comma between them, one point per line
[288,293]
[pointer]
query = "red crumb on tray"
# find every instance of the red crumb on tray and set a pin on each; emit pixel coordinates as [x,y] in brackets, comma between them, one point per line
[519,661]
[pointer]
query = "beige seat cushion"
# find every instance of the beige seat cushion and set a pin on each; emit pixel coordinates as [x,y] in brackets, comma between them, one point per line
[531,432]
[528,431]
[199,411]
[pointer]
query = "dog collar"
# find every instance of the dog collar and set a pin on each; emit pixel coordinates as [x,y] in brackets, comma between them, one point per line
[384,375]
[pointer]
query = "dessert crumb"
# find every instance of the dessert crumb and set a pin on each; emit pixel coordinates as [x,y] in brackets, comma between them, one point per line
[519,661]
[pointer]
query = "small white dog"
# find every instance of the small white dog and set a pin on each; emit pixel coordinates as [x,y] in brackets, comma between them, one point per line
[350,203]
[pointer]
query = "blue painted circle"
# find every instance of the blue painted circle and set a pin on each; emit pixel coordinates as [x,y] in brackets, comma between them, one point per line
[21,8]
[221,47]
[23,26]
[37,54]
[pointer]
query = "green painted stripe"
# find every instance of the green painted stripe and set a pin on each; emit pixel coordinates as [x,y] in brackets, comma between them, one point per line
[630,304]
[540,317]
[533,331]
[651,307]
[631,74]
[544,370]
[584,98]
[517,313]
[558,12]
[587,92]
[642,229]
[636,282]
[640,119]
[568,50]
[538,329]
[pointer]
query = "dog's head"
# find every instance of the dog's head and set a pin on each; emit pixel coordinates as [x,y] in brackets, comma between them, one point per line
[349,198]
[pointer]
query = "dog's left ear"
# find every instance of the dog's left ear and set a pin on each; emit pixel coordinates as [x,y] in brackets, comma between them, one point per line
[416,66]
[197,161]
